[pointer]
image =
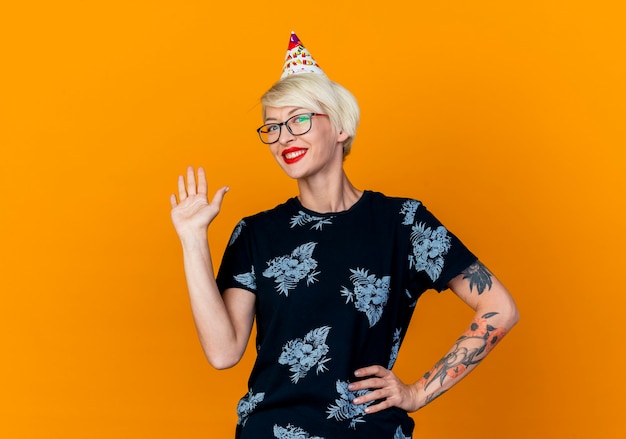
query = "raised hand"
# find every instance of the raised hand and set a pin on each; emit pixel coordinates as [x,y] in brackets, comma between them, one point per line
[192,212]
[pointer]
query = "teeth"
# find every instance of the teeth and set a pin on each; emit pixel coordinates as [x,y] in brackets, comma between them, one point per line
[294,154]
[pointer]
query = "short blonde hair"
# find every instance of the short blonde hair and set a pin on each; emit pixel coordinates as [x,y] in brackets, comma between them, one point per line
[321,95]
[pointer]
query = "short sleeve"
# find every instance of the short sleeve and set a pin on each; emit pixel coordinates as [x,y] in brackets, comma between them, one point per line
[435,254]
[237,268]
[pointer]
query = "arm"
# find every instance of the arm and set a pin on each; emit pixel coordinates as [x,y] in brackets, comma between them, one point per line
[495,315]
[223,321]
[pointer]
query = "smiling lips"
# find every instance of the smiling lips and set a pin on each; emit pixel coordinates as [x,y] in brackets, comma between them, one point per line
[292,155]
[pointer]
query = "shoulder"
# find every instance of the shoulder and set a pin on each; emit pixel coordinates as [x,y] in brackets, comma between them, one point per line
[267,224]
[381,198]
[405,207]
[285,209]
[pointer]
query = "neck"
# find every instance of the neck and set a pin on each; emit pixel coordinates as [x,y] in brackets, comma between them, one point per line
[324,196]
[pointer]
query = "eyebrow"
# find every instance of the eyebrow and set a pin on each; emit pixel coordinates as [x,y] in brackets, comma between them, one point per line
[288,114]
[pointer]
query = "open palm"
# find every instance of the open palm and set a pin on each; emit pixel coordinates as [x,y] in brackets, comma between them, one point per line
[192,212]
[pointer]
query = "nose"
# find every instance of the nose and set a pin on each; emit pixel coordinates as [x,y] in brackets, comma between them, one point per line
[285,135]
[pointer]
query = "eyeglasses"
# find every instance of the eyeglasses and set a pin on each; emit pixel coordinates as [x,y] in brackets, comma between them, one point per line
[297,125]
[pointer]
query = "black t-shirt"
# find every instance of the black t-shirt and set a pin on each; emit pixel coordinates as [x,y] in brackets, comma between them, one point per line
[334,292]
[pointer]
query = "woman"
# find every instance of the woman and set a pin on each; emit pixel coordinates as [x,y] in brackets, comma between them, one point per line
[332,277]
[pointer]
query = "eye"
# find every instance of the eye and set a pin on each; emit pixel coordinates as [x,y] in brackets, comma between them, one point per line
[301,118]
[271,128]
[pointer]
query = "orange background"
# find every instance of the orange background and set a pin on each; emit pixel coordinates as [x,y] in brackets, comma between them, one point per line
[505,118]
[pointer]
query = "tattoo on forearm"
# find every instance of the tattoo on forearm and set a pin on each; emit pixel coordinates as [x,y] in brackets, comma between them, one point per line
[434,396]
[479,276]
[469,350]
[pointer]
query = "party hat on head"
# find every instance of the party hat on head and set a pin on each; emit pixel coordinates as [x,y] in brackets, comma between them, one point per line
[298,59]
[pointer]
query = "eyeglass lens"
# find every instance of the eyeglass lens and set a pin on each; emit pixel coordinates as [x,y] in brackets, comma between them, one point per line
[297,125]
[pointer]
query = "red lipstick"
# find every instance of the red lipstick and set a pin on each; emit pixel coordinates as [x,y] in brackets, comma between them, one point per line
[293,154]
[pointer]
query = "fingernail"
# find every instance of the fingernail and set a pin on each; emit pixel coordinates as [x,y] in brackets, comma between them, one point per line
[350,386]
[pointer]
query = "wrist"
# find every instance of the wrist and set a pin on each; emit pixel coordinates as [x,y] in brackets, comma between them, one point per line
[193,239]
[420,396]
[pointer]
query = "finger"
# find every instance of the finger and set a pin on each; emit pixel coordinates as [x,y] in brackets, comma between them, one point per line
[371,371]
[374,408]
[219,196]
[182,192]
[191,181]
[173,201]
[202,185]
[370,383]
[370,396]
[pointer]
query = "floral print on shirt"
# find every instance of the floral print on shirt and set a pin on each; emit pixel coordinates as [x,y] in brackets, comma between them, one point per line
[303,218]
[400,434]
[292,432]
[369,295]
[247,404]
[233,237]
[344,409]
[395,349]
[409,207]
[290,269]
[247,279]
[303,354]
[429,248]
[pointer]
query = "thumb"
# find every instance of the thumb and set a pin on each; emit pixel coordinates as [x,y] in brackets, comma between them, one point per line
[219,196]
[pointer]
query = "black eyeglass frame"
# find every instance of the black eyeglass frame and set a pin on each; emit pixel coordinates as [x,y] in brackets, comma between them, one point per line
[286,124]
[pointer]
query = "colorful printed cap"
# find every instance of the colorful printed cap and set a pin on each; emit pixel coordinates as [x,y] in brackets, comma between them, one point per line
[298,59]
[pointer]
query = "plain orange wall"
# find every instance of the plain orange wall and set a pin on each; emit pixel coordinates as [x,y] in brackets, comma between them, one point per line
[505,118]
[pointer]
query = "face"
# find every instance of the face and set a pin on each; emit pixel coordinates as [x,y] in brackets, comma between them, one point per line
[316,153]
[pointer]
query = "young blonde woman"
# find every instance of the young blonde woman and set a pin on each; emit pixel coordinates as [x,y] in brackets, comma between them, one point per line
[332,277]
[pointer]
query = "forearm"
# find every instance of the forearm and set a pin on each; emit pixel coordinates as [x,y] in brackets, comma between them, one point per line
[486,330]
[215,327]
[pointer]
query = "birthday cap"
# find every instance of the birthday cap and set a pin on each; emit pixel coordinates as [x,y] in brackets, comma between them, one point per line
[298,59]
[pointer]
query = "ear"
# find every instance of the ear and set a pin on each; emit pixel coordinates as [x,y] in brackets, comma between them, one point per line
[342,136]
